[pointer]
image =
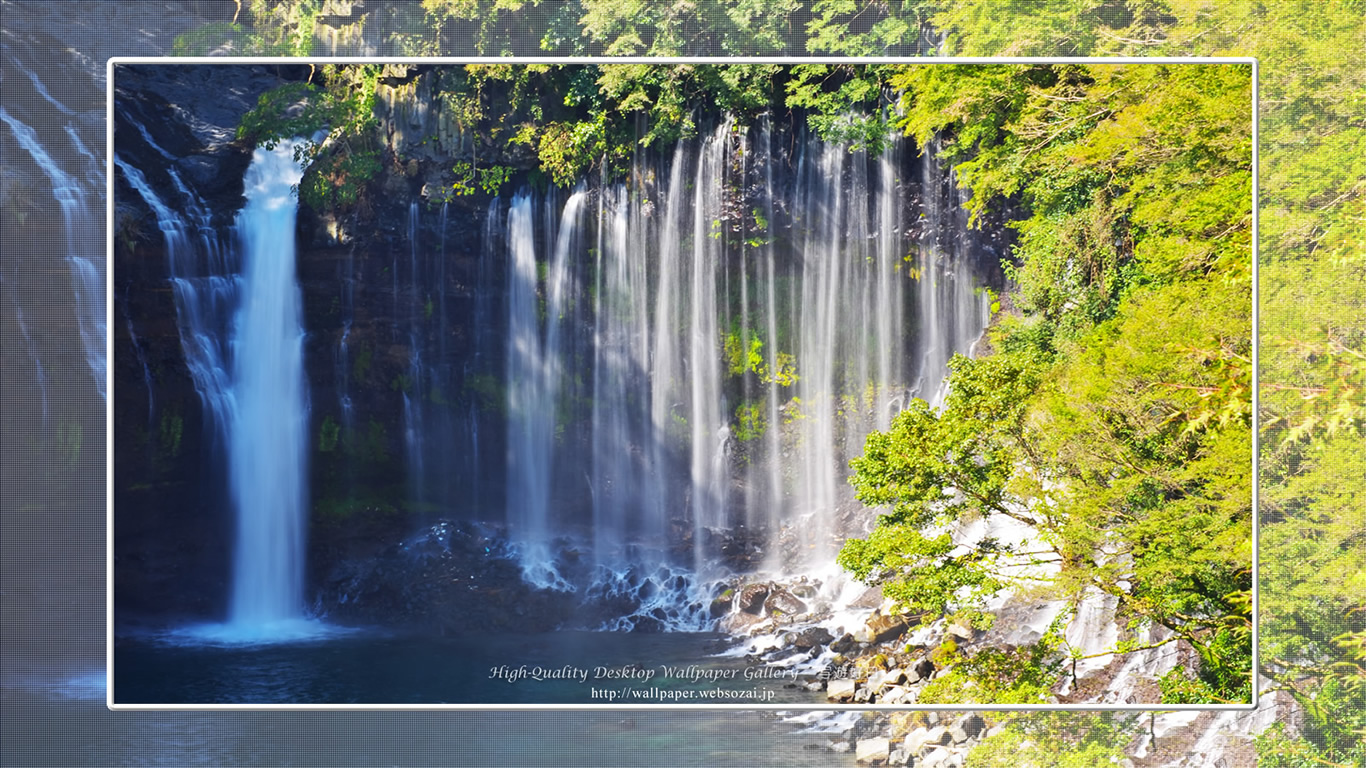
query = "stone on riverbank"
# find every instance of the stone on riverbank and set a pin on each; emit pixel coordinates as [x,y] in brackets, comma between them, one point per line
[840,689]
[873,750]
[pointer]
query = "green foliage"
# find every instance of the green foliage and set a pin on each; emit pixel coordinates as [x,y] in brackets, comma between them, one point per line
[916,571]
[673,27]
[490,179]
[204,40]
[843,101]
[1133,175]
[172,430]
[740,360]
[784,373]
[360,367]
[1112,417]
[487,391]
[568,150]
[491,23]
[283,28]
[277,28]
[347,156]
[464,179]
[750,422]
[1060,739]
[1022,675]
[916,466]
[852,28]
[328,434]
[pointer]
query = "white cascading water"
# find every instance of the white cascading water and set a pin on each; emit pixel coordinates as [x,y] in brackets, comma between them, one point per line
[482,364]
[84,247]
[710,433]
[621,477]
[534,371]
[39,376]
[688,266]
[413,416]
[239,315]
[827,300]
[268,442]
[952,307]
[205,288]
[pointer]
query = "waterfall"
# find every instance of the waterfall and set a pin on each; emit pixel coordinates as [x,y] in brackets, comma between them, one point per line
[534,369]
[710,435]
[687,360]
[142,363]
[239,316]
[749,324]
[482,366]
[413,411]
[772,504]
[83,246]
[39,375]
[204,287]
[952,311]
[344,378]
[666,387]
[267,461]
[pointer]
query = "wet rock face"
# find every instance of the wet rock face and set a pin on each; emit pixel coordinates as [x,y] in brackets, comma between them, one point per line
[452,578]
[811,638]
[186,118]
[881,627]
[783,602]
[752,598]
[173,530]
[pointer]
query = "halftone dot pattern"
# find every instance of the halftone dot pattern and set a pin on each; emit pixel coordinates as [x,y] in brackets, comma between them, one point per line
[52,477]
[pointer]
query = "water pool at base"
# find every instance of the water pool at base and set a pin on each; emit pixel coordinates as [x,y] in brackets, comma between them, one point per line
[360,667]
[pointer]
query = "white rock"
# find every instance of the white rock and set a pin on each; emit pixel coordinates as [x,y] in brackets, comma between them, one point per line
[894,677]
[873,750]
[920,738]
[966,727]
[840,689]
[934,759]
[915,740]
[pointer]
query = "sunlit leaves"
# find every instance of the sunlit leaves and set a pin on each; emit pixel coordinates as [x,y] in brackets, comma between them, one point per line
[344,112]
[925,575]
[1128,449]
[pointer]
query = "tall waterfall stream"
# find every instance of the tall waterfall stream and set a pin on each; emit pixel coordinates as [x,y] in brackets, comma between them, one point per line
[683,362]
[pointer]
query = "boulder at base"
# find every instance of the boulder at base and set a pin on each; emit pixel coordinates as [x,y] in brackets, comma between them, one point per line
[873,750]
[840,689]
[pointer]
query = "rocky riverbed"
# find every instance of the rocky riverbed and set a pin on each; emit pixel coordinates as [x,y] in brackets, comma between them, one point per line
[845,641]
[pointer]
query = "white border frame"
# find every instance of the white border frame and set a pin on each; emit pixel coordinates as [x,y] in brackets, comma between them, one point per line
[116,61]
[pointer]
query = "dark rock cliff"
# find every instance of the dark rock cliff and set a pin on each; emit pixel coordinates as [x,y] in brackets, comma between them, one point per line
[405,307]
[362,278]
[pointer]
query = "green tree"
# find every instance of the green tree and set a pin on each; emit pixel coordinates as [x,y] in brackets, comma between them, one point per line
[337,124]
[1114,420]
